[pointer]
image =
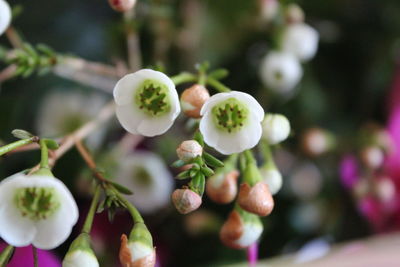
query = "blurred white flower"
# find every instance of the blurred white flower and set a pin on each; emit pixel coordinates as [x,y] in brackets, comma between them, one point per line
[306,181]
[5,16]
[231,122]
[147,102]
[80,258]
[280,71]
[63,112]
[273,178]
[301,40]
[146,174]
[37,209]
[276,128]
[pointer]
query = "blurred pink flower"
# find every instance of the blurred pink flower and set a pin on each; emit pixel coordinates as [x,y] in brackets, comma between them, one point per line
[23,256]
[349,172]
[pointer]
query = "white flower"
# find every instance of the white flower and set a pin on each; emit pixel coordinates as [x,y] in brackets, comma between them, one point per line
[276,128]
[301,40]
[147,102]
[80,258]
[37,209]
[5,16]
[269,9]
[63,112]
[252,231]
[231,122]
[273,178]
[146,174]
[188,150]
[280,71]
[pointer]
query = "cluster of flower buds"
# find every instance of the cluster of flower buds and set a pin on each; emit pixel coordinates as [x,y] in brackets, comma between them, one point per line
[281,70]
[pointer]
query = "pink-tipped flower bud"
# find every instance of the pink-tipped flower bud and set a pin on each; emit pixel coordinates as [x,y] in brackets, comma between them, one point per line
[188,150]
[122,5]
[238,232]
[222,187]
[138,250]
[256,199]
[294,13]
[186,200]
[193,99]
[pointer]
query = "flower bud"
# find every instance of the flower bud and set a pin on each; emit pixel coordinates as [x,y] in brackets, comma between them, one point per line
[385,189]
[276,128]
[122,5]
[241,230]
[273,178]
[188,150]
[294,13]
[80,253]
[186,200]
[256,199]
[222,187]
[138,251]
[192,100]
[372,157]
[316,141]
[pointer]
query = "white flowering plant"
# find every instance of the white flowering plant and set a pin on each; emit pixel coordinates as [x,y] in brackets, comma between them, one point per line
[226,127]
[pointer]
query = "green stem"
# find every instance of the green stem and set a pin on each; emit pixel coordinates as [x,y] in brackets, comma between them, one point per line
[44,160]
[202,78]
[137,218]
[217,85]
[251,174]
[90,216]
[7,148]
[267,154]
[35,257]
[5,256]
[249,157]
[184,77]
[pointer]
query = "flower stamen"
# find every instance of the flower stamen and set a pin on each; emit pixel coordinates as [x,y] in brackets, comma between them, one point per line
[152,98]
[230,115]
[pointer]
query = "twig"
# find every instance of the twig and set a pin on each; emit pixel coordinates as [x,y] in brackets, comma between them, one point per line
[35,256]
[132,42]
[8,73]
[81,133]
[14,37]
[89,161]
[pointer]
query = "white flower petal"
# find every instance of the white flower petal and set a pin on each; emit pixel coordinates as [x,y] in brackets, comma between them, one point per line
[5,16]
[139,250]
[301,40]
[80,258]
[251,232]
[151,196]
[130,117]
[273,178]
[280,71]
[15,229]
[276,128]
[251,103]
[155,126]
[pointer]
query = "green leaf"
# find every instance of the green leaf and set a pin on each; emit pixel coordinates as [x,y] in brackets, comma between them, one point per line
[21,134]
[101,206]
[183,175]
[51,144]
[212,161]
[122,189]
[179,163]
[207,171]
[199,138]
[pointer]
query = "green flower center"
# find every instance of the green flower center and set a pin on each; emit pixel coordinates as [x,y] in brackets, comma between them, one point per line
[230,115]
[37,203]
[142,177]
[152,98]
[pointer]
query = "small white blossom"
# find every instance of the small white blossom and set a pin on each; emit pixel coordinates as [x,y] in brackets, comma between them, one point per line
[276,128]
[301,40]
[37,209]
[273,178]
[280,71]
[5,16]
[80,258]
[146,174]
[147,102]
[231,122]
